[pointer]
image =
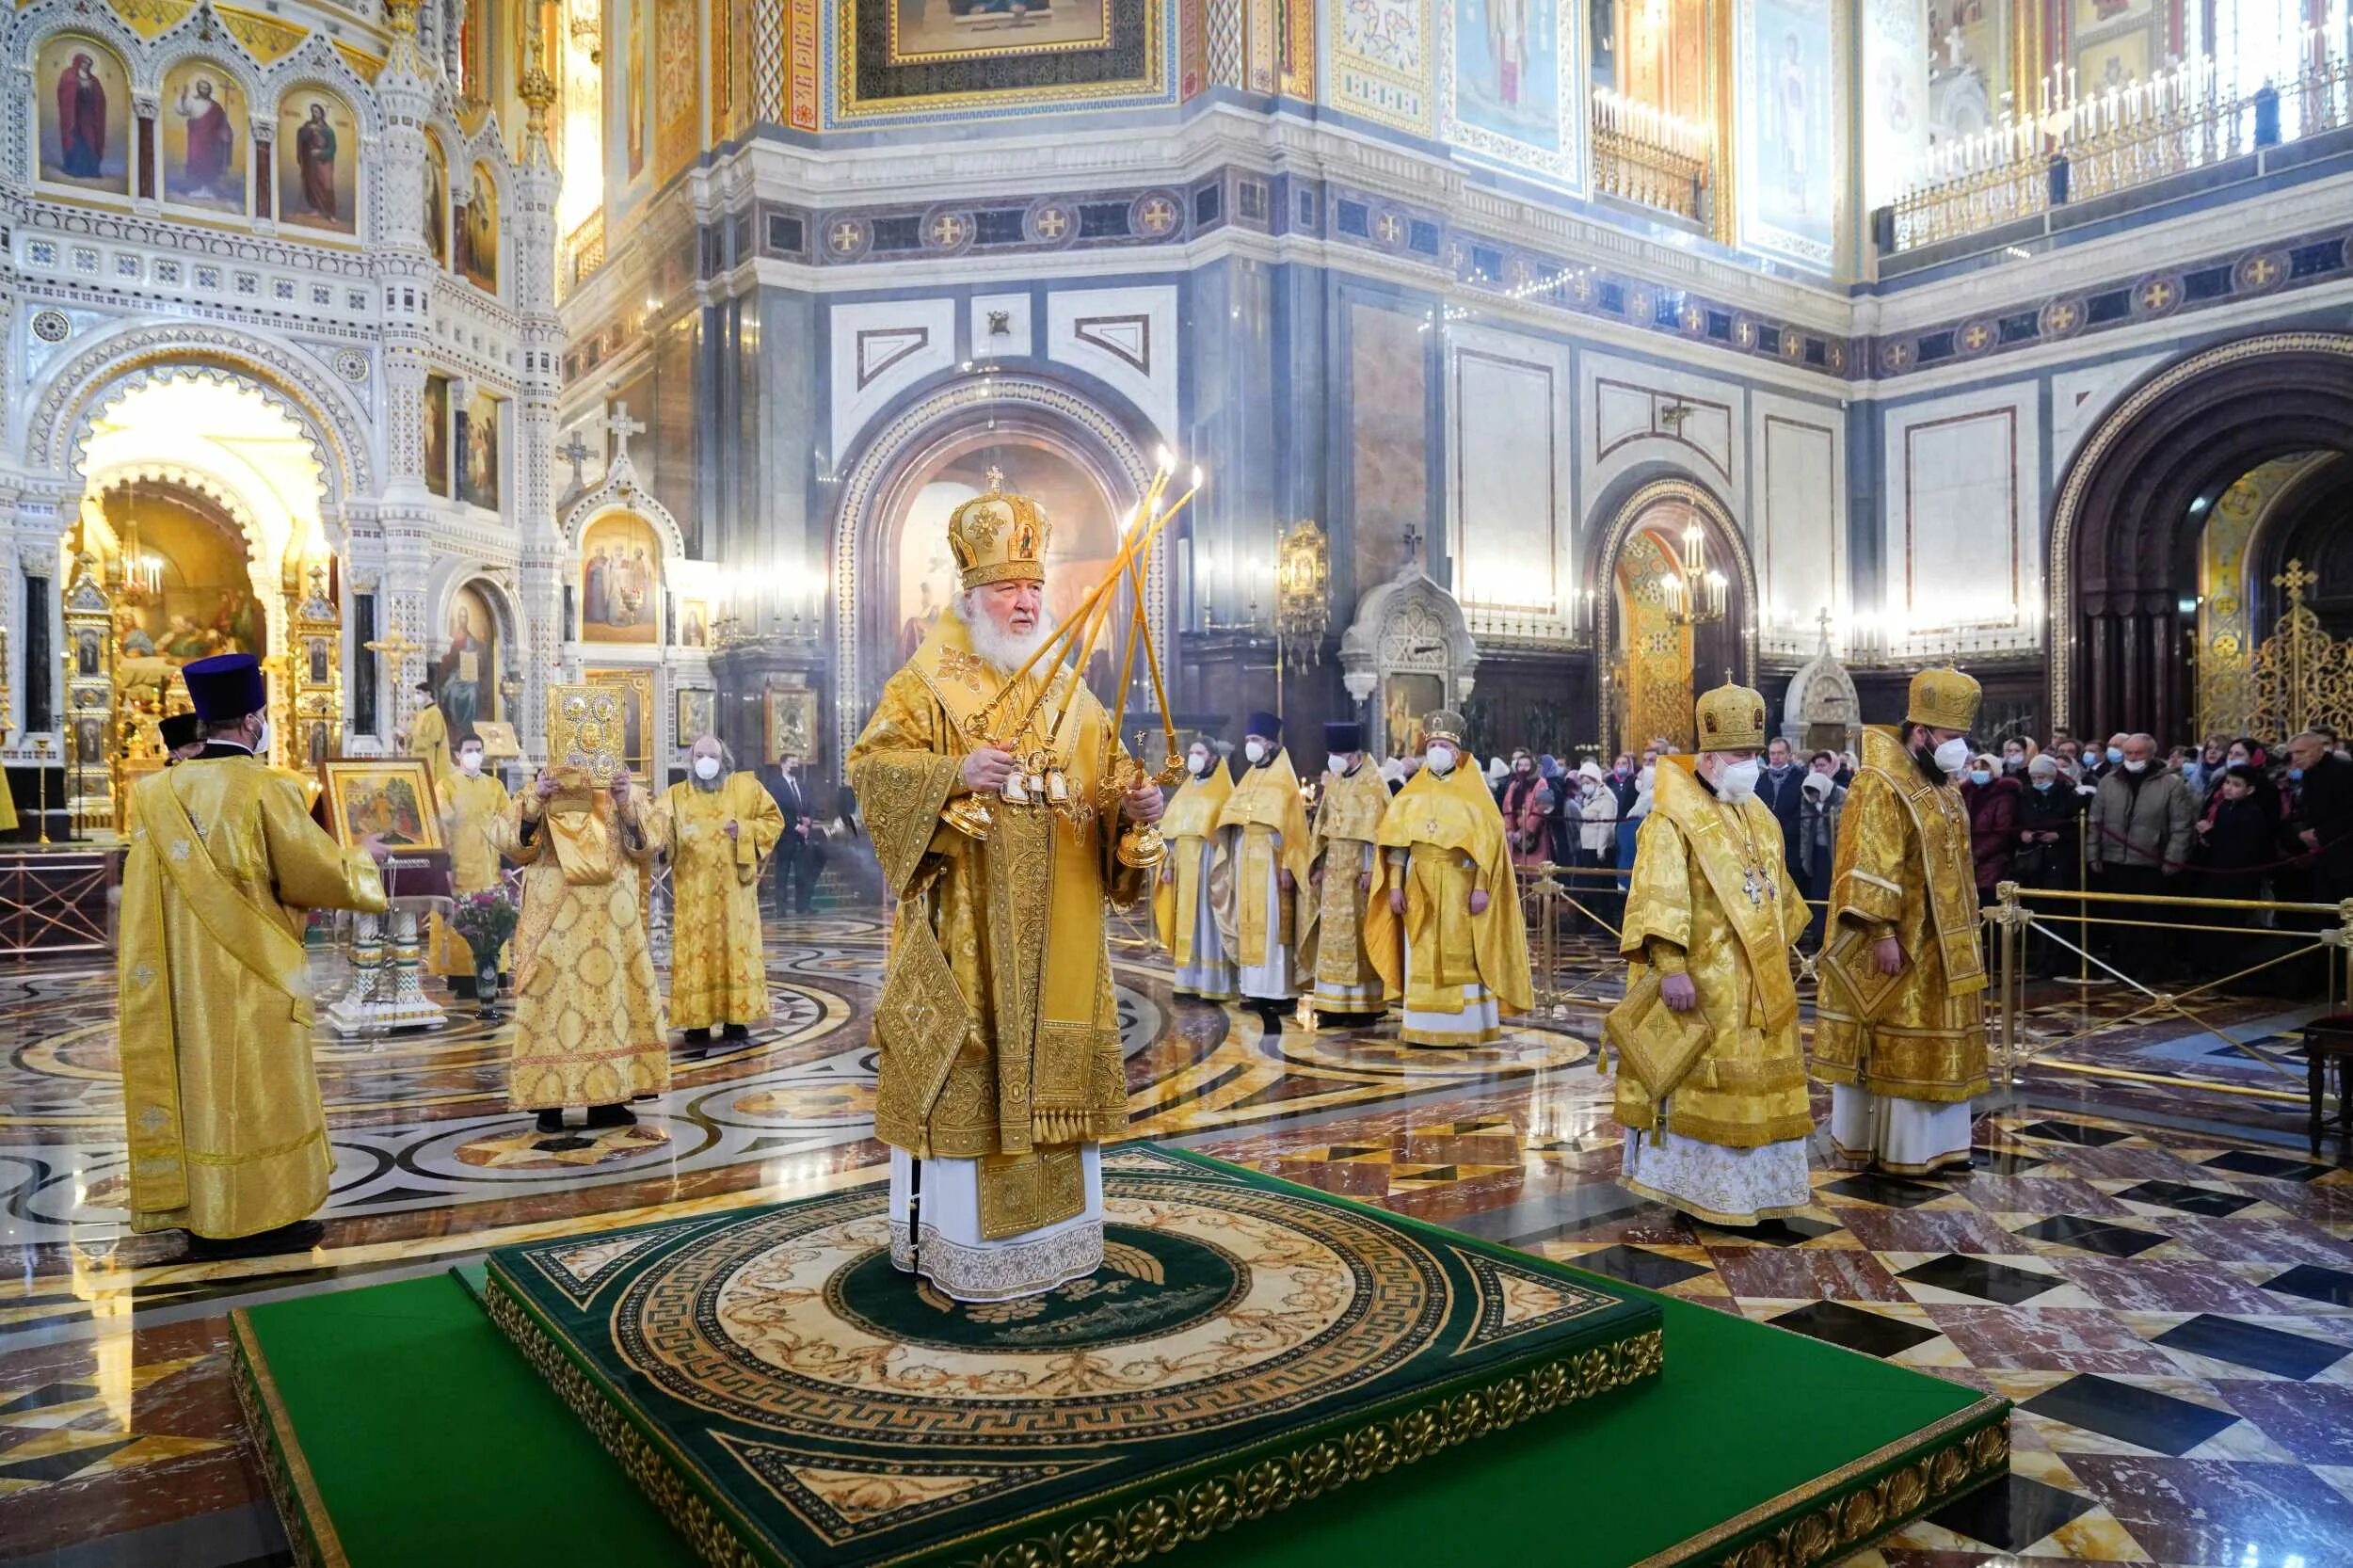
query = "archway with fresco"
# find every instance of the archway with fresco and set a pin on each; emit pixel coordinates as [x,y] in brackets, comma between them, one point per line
[1656,660]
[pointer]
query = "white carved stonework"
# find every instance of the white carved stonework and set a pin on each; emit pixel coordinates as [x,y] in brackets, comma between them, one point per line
[1126,338]
[1798,525]
[1963,518]
[880,350]
[1639,416]
[1408,626]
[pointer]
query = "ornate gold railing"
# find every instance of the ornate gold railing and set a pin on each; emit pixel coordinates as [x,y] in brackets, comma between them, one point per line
[1646,155]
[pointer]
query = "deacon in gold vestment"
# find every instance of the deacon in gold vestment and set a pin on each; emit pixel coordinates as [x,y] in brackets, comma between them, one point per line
[588,1027]
[430,738]
[720,825]
[1711,913]
[228,1137]
[1355,798]
[1443,922]
[1900,1027]
[1000,1069]
[1263,830]
[1194,879]
[470,803]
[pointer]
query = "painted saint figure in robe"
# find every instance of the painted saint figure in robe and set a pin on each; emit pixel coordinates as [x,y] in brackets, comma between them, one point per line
[212,144]
[315,154]
[81,120]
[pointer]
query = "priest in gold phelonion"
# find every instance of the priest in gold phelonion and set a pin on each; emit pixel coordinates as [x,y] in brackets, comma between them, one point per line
[1900,1026]
[1001,1072]
[1347,987]
[1711,1079]
[1443,921]
[1195,877]
[1263,830]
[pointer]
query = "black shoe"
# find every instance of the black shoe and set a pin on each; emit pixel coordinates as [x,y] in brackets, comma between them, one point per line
[735,1032]
[301,1235]
[611,1115]
[462,986]
[698,1036]
[550,1120]
[1269,1019]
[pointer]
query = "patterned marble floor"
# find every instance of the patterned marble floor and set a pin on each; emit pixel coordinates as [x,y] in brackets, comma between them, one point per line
[2162,1280]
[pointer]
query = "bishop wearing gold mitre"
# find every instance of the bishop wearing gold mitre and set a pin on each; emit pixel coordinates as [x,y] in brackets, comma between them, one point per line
[1263,830]
[1354,799]
[588,1027]
[721,826]
[1194,878]
[227,1136]
[1899,1032]
[470,802]
[1717,1120]
[1000,1068]
[1443,922]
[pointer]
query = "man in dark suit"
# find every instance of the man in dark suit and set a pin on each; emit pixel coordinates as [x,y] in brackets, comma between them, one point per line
[799,857]
[2324,813]
[1782,787]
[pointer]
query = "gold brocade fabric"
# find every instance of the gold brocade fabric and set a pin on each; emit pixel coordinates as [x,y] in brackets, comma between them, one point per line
[7,813]
[718,974]
[588,1023]
[469,806]
[997,1026]
[1693,862]
[1191,816]
[1453,836]
[430,738]
[1348,821]
[227,1133]
[1903,861]
[1265,804]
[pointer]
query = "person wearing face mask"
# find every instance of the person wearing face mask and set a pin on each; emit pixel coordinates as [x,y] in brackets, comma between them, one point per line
[1346,988]
[2050,851]
[800,856]
[227,1132]
[1781,787]
[1596,813]
[1991,797]
[1444,920]
[1630,824]
[470,802]
[1710,923]
[1192,878]
[1899,1032]
[720,827]
[182,735]
[2016,754]
[2141,821]
[1263,831]
[2324,813]
[1817,836]
[1527,804]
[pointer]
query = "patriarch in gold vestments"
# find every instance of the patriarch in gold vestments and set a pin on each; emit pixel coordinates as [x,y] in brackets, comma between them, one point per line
[1443,921]
[1713,1093]
[1900,1027]
[1194,878]
[228,1135]
[1263,830]
[1346,835]
[588,1027]
[721,826]
[1000,1070]
[471,803]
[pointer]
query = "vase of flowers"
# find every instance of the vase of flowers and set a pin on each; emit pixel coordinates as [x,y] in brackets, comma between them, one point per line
[486,919]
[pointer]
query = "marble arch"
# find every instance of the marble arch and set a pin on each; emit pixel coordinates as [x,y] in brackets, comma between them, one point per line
[893,454]
[1625,506]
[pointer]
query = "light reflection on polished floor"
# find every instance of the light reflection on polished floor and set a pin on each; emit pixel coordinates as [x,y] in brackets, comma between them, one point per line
[2170,1300]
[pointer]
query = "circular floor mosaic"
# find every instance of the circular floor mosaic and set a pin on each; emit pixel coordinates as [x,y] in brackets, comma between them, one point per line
[1211,1308]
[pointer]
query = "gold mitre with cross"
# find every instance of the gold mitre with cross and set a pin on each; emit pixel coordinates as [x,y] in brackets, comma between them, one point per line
[1731,718]
[1000,538]
[1444,724]
[1944,699]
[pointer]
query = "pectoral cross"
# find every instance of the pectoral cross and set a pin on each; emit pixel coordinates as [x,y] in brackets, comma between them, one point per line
[1754,886]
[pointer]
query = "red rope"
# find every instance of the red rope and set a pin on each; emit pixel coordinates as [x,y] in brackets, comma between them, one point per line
[2304,858]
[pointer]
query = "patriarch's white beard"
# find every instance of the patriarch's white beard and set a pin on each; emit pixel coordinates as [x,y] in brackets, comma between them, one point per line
[1004,651]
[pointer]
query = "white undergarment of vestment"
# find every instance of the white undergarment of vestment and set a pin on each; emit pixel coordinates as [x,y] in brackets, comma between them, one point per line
[1210,975]
[1479,1021]
[1737,1187]
[1271,981]
[950,1253]
[1907,1137]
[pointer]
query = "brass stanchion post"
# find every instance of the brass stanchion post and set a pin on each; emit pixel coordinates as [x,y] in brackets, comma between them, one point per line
[2083,977]
[40,782]
[2006,914]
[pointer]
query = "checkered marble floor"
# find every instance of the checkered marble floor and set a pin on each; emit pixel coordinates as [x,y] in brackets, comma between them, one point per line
[2173,1313]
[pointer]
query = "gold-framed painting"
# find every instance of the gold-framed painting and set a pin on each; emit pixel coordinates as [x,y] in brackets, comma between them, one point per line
[791,726]
[387,799]
[499,740]
[935,56]
[637,716]
[695,712]
[585,730]
[693,623]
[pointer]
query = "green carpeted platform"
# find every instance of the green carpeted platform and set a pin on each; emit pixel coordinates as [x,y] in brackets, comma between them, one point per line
[403,1430]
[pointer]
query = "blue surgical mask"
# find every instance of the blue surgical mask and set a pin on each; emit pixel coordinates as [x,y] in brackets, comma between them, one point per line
[2115,754]
[2296,773]
[1978,775]
[2044,784]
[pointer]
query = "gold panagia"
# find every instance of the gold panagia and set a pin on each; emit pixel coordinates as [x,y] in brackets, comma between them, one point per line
[996,1022]
[1451,833]
[1903,869]
[1191,822]
[718,974]
[227,1132]
[1271,824]
[588,1025]
[1695,861]
[1347,830]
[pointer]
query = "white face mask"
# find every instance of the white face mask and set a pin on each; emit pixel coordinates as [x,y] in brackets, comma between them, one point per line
[706,767]
[1953,755]
[1254,750]
[1337,762]
[1737,781]
[1440,759]
[2136,766]
[1199,763]
[261,741]
[1646,778]
[470,763]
